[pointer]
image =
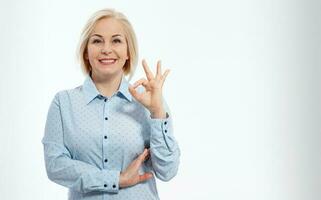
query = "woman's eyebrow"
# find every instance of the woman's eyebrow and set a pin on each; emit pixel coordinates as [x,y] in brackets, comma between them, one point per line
[103,37]
[117,35]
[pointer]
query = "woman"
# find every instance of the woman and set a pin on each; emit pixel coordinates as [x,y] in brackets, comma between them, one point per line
[106,139]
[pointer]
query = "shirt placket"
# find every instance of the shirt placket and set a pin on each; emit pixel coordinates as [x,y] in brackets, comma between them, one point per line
[106,160]
[106,134]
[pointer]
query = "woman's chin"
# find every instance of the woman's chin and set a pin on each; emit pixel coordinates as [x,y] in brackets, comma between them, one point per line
[108,72]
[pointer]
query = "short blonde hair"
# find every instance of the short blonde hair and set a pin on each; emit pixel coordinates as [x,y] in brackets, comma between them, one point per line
[132,47]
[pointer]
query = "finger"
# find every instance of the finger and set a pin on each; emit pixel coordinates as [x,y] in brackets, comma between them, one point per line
[145,176]
[165,75]
[149,74]
[159,69]
[139,159]
[143,156]
[148,155]
[145,83]
[133,92]
[142,82]
[139,82]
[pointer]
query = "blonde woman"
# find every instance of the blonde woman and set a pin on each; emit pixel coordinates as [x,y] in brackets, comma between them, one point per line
[108,139]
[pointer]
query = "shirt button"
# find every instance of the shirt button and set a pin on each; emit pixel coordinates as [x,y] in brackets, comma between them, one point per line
[165,122]
[105,100]
[165,131]
[105,137]
[114,186]
[105,185]
[106,118]
[106,160]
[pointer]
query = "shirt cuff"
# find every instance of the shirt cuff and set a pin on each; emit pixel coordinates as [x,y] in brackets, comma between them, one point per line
[162,133]
[111,180]
[159,126]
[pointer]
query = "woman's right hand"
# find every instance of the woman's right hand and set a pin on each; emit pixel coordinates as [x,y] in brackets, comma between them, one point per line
[131,175]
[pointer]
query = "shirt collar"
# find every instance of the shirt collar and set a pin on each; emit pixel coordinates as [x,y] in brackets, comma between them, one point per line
[91,91]
[123,89]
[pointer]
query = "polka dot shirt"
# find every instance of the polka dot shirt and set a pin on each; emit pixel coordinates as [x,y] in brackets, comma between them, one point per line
[89,139]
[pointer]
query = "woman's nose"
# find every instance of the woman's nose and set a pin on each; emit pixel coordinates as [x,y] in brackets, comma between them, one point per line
[106,49]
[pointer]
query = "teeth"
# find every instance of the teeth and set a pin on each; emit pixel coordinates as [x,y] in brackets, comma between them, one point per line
[107,61]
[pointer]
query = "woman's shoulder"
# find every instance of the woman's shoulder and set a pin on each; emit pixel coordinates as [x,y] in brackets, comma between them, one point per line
[65,94]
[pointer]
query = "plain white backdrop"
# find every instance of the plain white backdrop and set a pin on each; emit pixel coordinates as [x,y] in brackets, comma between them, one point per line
[244,90]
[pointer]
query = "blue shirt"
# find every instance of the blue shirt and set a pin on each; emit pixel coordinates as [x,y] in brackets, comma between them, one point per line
[89,139]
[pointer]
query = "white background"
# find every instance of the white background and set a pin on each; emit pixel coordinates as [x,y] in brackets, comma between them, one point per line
[244,90]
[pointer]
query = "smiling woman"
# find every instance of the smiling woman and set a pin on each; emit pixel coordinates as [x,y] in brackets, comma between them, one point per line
[104,139]
[107,49]
[108,29]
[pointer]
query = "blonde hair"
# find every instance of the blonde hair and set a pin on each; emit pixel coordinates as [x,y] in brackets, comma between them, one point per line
[132,47]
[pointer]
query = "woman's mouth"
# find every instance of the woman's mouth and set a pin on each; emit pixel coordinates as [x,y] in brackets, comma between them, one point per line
[108,61]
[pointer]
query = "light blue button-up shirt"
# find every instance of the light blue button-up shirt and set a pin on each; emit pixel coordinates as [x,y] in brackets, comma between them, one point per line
[89,139]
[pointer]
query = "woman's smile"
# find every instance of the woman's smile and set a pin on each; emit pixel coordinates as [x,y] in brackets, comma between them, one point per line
[107,61]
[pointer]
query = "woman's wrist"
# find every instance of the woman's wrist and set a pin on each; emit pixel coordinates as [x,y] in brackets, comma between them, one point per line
[158,114]
[121,180]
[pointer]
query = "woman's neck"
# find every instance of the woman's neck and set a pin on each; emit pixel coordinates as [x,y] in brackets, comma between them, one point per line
[107,86]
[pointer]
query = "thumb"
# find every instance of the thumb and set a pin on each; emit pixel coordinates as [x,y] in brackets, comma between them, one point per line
[144,155]
[132,91]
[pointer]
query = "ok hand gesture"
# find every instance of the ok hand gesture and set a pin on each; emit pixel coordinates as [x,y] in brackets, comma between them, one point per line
[151,98]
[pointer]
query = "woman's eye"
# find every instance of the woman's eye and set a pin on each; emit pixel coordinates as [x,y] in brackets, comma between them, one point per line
[117,41]
[96,41]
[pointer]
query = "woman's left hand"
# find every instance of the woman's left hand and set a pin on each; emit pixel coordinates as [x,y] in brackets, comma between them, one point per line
[151,98]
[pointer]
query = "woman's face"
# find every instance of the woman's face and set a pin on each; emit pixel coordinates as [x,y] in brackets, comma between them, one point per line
[107,48]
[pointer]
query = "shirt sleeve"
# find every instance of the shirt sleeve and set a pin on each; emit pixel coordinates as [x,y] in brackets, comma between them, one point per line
[62,169]
[164,149]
